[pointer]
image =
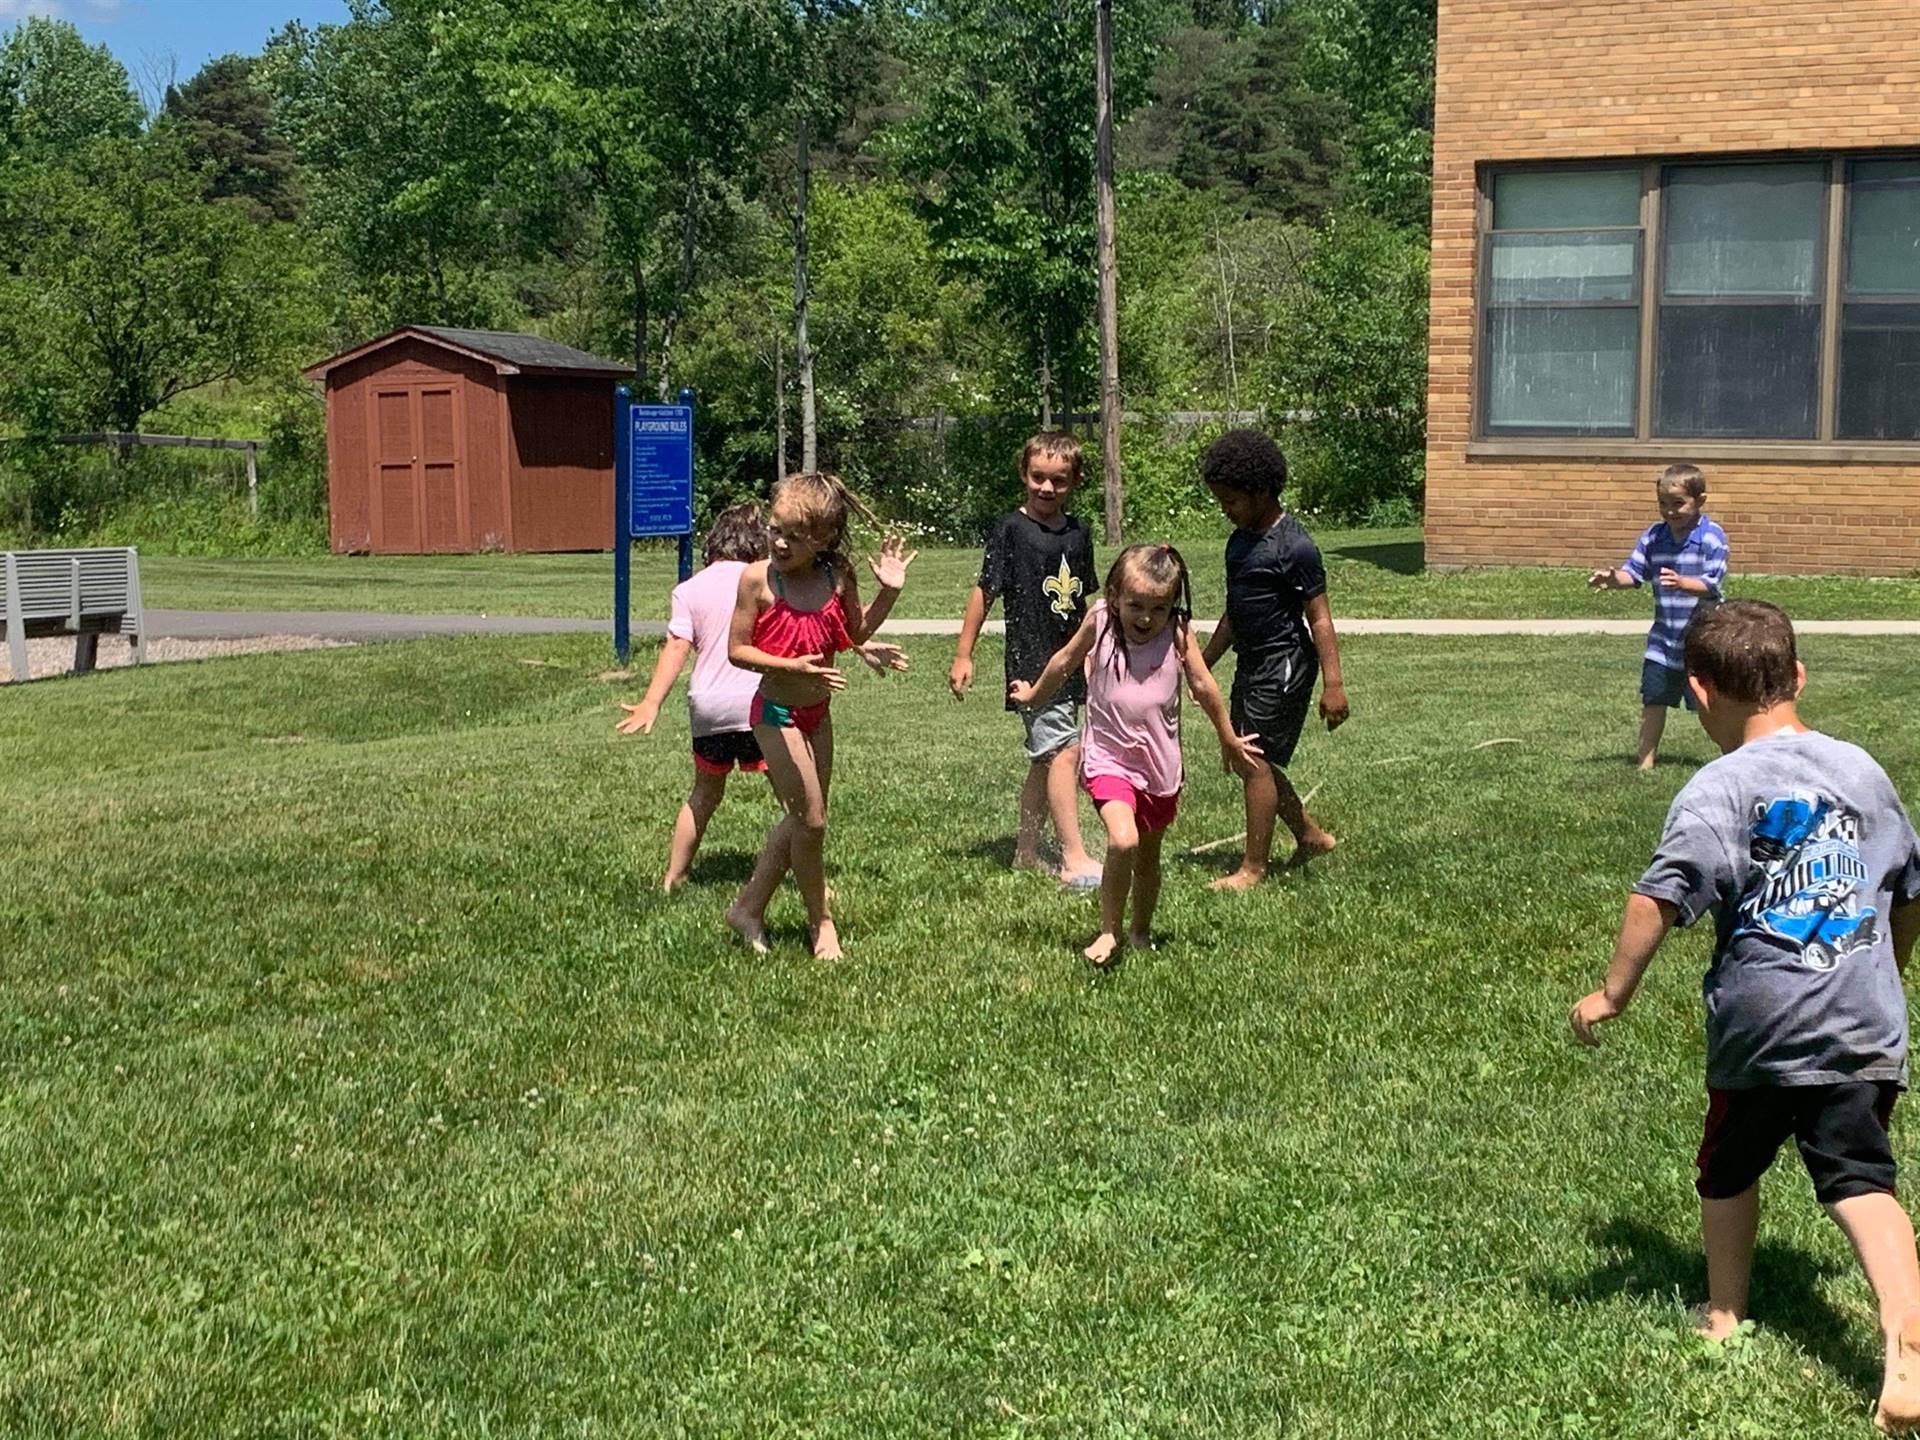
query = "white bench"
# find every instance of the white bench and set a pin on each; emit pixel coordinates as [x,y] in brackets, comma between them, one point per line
[82,593]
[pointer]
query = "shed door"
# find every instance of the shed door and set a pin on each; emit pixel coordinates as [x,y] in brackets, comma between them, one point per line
[418,487]
[442,514]
[396,508]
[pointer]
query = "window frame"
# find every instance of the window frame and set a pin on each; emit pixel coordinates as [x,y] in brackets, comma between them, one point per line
[1646,442]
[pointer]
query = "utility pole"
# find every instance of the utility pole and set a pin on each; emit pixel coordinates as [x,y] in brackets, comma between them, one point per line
[1109,281]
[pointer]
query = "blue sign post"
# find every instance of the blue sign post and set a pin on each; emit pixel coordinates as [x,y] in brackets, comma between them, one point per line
[652,491]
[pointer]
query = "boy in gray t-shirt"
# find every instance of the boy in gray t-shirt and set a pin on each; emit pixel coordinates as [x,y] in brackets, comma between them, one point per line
[1798,845]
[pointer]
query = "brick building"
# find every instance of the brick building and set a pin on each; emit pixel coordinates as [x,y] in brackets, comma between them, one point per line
[1676,230]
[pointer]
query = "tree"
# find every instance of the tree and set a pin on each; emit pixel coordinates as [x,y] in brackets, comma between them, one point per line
[654,114]
[130,287]
[1000,147]
[403,167]
[58,92]
[225,121]
[1232,115]
[1378,55]
[833,50]
[1354,360]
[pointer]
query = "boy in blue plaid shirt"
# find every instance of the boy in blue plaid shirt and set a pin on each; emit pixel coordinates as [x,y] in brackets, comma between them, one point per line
[1685,558]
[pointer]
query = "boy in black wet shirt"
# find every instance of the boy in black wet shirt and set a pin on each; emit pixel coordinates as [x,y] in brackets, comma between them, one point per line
[1278,623]
[1039,563]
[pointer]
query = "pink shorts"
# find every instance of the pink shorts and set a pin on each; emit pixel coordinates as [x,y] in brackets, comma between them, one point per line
[1152,813]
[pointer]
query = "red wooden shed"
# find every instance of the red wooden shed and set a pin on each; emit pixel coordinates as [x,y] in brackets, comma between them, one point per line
[452,441]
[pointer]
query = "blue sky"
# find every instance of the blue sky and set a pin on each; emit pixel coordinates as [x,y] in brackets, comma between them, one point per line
[151,36]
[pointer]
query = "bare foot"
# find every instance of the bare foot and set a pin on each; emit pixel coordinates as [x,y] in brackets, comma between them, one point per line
[1138,941]
[672,883]
[1898,1412]
[1645,765]
[826,942]
[1312,848]
[1711,1324]
[1103,951]
[1032,862]
[1241,879]
[751,930]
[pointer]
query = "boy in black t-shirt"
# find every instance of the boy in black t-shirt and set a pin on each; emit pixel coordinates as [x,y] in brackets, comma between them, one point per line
[1039,561]
[1278,623]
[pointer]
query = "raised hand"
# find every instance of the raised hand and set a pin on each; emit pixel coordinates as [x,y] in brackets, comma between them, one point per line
[890,565]
[882,657]
[1602,580]
[639,717]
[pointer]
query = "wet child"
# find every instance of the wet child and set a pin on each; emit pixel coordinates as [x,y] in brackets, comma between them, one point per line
[719,694]
[1039,564]
[1798,846]
[1279,625]
[1137,646]
[793,613]
[1685,555]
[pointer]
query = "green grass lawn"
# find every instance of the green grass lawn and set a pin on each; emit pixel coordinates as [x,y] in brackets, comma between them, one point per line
[354,1081]
[1369,572]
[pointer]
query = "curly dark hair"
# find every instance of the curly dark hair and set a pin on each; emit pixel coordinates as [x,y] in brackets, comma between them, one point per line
[1245,460]
[738,533]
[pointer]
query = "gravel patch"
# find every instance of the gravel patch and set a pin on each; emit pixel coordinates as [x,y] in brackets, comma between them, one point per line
[48,658]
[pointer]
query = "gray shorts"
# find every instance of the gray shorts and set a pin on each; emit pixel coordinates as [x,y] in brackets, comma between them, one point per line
[1051,728]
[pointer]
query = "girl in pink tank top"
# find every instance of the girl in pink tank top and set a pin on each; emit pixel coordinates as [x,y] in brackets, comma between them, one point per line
[1141,644]
[794,613]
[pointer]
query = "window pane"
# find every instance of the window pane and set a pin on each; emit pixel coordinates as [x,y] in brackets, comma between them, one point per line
[1740,371]
[1578,266]
[1744,229]
[1880,372]
[1565,370]
[1883,228]
[1566,200]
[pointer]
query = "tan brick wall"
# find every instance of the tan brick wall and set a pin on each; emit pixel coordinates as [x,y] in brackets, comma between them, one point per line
[1602,79]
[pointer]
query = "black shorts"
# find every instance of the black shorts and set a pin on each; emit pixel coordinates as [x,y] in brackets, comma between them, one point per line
[717,754]
[1841,1131]
[1276,718]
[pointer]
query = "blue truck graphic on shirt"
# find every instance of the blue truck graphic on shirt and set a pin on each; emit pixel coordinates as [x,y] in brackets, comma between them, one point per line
[1810,878]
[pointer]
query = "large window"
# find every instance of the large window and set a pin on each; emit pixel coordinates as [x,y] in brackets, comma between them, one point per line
[1703,301]
[1562,287]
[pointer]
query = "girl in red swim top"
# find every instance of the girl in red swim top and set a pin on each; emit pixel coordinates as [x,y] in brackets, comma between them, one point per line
[794,613]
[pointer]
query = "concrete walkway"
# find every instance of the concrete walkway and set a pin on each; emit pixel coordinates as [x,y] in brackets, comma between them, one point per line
[360,625]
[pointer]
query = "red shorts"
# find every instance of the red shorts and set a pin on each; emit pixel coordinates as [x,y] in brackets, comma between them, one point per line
[718,754]
[1152,813]
[804,718]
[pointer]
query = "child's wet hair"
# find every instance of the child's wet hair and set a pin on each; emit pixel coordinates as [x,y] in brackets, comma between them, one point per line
[738,533]
[821,500]
[1689,480]
[1055,445]
[1247,461]
[1745,650]
[1164,569]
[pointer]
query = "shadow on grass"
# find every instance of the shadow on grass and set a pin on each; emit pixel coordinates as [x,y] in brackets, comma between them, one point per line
[1785,1296]
[725,867]
[1403,557]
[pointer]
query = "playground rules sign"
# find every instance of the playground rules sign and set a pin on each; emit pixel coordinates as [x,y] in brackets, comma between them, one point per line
[660,447]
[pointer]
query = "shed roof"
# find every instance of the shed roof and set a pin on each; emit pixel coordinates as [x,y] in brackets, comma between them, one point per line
[508,352]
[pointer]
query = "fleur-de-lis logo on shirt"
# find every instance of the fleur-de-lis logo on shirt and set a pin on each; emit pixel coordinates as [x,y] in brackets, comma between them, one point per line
[1065,588]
